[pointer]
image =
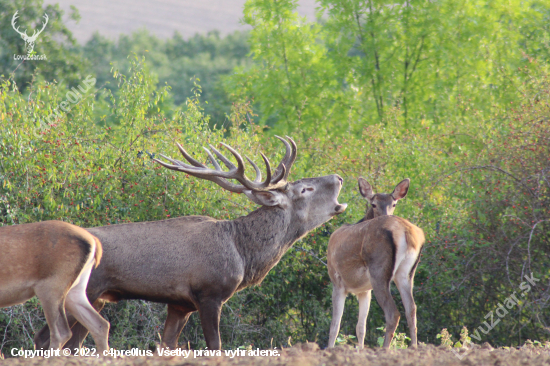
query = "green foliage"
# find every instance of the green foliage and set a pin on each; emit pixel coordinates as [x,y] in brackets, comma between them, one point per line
[459,103]
[77,169]
[431,61]
[398,341]
[175,62]
[345,339]
[446,338]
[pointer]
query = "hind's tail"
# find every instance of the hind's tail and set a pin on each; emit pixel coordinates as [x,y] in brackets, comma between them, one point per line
[98,251]
[415,237]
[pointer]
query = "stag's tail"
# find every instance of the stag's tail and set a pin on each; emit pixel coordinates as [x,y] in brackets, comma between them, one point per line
[98,252]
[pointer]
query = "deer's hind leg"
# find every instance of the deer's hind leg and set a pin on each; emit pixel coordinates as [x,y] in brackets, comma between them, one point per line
[52,299]
[175,322]
[386,302]
[364,299]
[404,279]
[81,309]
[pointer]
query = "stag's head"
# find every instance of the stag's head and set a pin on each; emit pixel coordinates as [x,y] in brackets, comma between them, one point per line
[383,203]
[310,201]
[29,40]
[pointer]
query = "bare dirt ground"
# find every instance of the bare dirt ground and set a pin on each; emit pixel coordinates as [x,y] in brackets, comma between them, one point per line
[310,355]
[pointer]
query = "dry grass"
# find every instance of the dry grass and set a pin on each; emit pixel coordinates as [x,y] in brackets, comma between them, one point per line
[309,354]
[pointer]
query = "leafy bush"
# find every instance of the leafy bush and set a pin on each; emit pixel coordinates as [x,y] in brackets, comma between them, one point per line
[470,185]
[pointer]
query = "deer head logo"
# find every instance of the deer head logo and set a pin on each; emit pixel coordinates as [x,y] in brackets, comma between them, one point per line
[29,41]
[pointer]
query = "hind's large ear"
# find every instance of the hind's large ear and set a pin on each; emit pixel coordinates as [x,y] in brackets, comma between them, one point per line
[401,189]
[365,189]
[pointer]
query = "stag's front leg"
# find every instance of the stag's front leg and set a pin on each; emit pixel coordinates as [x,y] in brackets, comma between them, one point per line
[210,312]
[175,322]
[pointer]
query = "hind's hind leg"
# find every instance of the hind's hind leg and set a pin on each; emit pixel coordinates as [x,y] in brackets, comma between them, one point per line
[79,306]
[53,300]
[405,285]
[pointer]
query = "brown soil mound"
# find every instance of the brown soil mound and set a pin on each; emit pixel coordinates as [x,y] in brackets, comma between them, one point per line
[309,355]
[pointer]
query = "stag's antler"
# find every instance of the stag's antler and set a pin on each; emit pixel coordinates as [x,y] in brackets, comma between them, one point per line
[13,19]
[24,34]
[34,35]
[220,177]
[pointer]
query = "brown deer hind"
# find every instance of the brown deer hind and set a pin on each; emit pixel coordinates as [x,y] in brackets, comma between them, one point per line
[196,263]
[52,260]
[370,254]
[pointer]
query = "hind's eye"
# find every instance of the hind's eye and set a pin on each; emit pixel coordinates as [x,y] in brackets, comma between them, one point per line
[373,205]
[304,190]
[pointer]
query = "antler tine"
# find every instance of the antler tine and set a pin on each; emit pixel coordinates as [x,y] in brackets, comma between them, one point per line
[279,171]
[13,19]
[292,159]
[258,171]
[197,173]
[281,176]
[176,162]
[220,177]
[212,159]
[43,26]
[267,181]
[240,162]
[224,160]
[189,158]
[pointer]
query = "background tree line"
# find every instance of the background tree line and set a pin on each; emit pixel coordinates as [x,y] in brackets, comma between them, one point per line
[454,95]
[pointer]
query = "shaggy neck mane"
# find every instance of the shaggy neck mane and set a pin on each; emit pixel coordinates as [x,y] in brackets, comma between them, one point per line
[262,238]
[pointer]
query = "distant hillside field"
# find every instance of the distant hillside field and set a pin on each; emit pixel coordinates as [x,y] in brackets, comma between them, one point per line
[113,17]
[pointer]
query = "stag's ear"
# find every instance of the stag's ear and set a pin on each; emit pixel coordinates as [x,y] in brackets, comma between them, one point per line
[365,188]
[401,189]
[266,198]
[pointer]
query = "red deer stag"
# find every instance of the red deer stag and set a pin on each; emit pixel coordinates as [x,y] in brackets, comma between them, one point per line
[53,261]
[196,263]
[370,254]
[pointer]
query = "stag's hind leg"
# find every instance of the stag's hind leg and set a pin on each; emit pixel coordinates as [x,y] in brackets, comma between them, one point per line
[338,301]
[175,322]
[364,299]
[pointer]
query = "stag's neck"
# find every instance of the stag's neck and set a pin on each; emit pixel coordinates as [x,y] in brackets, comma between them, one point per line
[368,216]
[262,238]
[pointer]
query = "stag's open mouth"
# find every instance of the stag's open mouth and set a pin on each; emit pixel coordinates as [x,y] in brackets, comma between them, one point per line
[340,208]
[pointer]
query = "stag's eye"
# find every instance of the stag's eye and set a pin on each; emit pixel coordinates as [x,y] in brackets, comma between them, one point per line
[307,189]
[373,205]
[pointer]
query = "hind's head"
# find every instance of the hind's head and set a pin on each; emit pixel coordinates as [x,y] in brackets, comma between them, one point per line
[382,203]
